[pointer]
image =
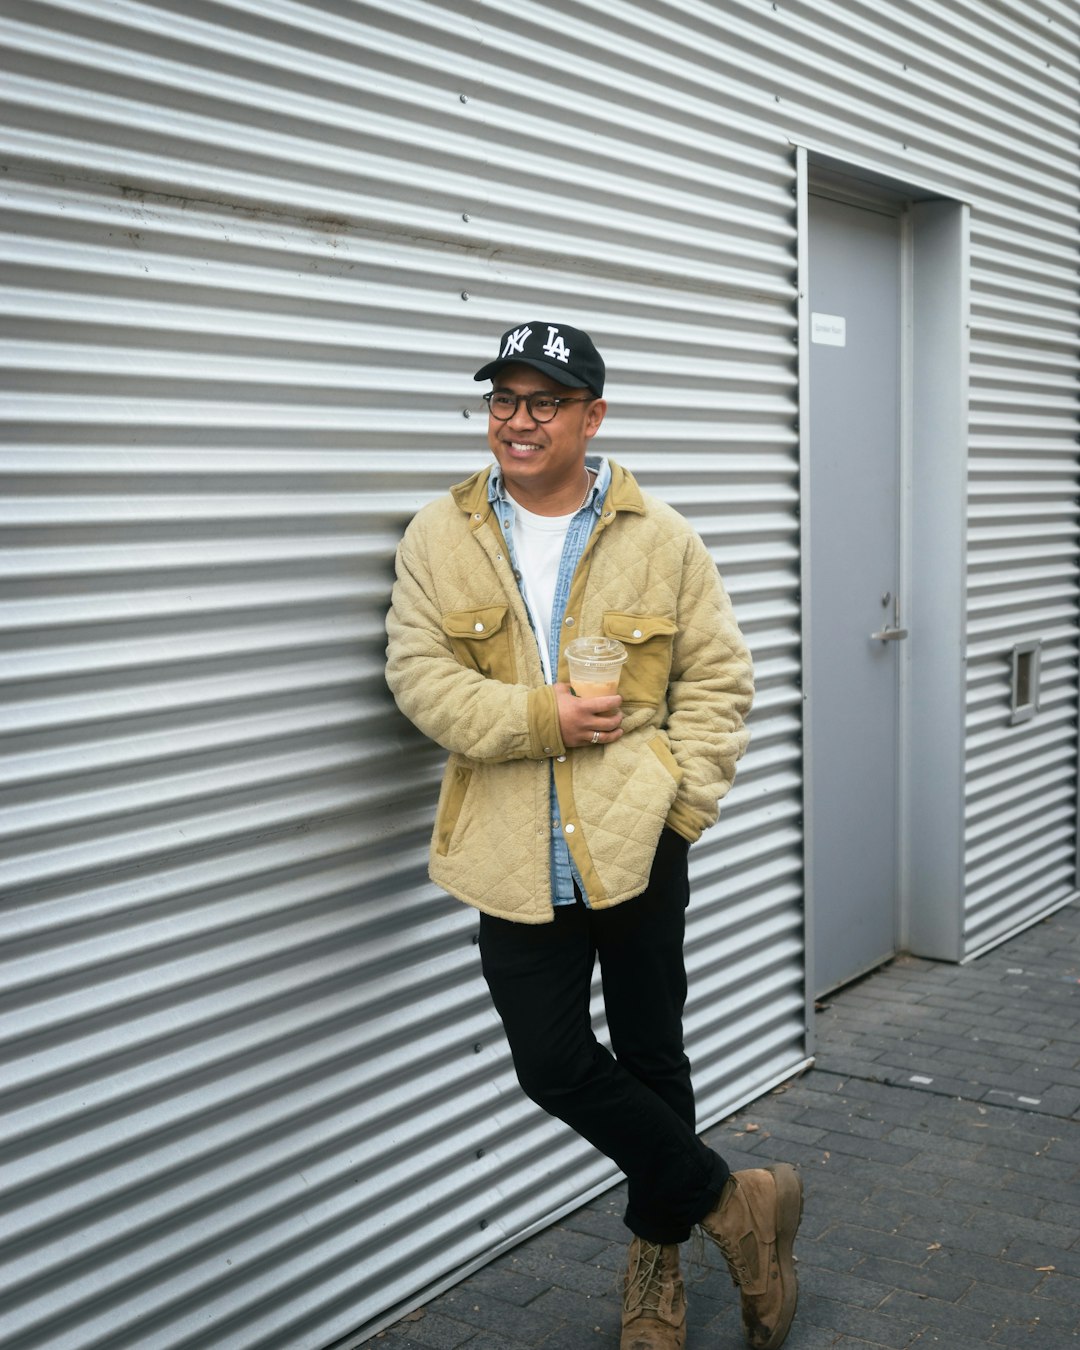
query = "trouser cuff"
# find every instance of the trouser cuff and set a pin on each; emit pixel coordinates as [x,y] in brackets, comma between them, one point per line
[675,1224]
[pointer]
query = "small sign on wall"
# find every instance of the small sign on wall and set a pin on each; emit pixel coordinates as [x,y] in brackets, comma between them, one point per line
[828,329]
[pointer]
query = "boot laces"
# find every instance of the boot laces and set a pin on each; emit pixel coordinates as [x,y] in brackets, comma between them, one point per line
[732,1251]
[737,1264]
[644,1288]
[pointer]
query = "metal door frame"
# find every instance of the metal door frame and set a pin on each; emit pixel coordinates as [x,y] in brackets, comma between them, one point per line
[934,314]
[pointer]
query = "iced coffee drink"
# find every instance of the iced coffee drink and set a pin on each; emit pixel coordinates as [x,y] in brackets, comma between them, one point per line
[595,666]
[594,688]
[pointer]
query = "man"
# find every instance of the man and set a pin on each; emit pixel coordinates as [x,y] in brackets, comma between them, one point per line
[566,821]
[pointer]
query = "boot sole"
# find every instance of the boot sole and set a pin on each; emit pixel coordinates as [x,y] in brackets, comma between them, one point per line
[789,1207]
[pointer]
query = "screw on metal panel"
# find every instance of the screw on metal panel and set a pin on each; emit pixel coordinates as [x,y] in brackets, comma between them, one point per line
[464,295]
[465,215]
[479,1152]
[466,413]
[464,98]
[478,1047]
[483,1223]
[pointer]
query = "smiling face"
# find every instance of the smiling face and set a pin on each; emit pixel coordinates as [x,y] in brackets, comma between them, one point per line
[543,463]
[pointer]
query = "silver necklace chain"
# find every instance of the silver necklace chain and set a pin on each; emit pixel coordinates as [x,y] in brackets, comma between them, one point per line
[588,489]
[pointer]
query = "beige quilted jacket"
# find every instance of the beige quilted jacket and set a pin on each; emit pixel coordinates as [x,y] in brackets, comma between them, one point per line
[463,665]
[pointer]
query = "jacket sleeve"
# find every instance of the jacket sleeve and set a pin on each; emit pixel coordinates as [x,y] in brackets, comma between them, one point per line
[455,706]
[709,695]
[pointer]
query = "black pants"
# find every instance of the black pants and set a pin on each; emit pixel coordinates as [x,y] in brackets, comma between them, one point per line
[638,1106]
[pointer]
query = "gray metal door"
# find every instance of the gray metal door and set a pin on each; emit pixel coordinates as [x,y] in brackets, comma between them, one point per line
[854,574]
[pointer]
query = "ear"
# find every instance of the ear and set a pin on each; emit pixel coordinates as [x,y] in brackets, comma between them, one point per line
[594,415]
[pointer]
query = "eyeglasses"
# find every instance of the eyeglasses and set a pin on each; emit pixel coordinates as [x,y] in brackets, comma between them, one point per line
[542,407]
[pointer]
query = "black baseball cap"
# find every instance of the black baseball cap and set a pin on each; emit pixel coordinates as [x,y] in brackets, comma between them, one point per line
[565,354]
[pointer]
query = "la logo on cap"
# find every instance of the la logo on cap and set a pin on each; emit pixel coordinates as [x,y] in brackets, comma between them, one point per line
[555,347]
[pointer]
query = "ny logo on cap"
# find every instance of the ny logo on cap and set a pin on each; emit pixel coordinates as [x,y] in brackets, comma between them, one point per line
[515,341]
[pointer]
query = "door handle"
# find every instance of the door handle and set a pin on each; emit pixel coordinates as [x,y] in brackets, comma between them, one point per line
[893,632]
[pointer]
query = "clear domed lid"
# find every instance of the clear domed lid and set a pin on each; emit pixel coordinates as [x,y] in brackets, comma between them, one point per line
[602,650]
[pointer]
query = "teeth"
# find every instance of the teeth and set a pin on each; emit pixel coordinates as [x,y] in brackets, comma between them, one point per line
[523,445]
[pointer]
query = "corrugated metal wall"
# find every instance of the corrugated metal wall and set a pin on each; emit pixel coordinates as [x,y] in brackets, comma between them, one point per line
[1022,540]
[253,1091]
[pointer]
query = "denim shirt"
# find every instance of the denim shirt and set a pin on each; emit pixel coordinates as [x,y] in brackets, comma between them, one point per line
[563,872]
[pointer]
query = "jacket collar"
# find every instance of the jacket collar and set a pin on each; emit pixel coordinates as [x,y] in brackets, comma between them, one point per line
[472,496]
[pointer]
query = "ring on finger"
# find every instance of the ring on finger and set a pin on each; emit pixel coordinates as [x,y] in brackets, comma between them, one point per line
[595,737]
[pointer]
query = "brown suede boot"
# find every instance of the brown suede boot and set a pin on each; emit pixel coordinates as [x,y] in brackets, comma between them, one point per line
[654,1299]
[754,1225]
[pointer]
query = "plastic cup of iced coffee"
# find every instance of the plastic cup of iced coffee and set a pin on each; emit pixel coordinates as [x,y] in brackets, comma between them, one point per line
[595,666]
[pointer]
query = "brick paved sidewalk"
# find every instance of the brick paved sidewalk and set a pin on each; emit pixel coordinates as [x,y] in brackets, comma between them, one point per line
[938,1140]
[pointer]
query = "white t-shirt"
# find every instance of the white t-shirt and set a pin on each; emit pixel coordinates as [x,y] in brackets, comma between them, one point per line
[538,546]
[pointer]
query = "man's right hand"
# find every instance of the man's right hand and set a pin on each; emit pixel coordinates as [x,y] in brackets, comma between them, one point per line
[588,721]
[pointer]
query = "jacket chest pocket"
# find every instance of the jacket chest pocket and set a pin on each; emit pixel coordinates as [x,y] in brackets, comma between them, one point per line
[648,639]
[481,640]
